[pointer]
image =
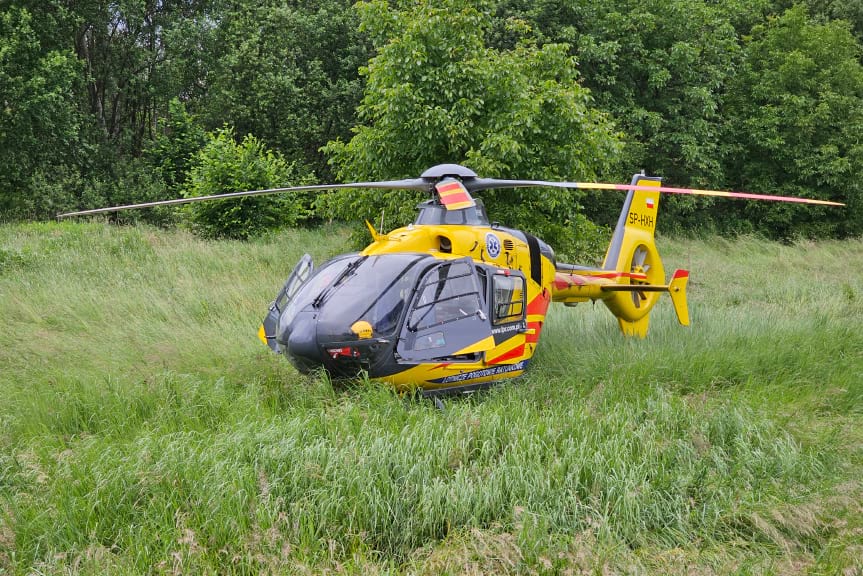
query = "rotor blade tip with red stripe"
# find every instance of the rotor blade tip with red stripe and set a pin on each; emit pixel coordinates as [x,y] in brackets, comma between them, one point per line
[700,192]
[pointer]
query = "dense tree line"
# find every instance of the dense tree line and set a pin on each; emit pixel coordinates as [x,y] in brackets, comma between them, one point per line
[109,101]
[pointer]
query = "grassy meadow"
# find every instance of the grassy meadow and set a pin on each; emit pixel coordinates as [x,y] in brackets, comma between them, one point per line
[145,429]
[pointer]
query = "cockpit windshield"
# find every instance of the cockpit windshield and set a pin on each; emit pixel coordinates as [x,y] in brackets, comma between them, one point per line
[373,289]
[315,287]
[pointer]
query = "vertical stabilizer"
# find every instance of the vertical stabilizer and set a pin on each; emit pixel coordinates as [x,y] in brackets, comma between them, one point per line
[636,223]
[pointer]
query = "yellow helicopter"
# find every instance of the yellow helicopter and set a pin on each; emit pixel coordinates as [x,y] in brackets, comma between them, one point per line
[453,302]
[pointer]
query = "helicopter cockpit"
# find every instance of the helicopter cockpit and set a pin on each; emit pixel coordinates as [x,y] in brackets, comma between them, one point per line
[413,307]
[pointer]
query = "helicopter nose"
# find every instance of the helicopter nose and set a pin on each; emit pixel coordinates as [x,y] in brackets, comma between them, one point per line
[310,342]
[299,342]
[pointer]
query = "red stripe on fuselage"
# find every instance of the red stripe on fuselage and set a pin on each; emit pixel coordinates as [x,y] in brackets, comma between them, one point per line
[537,307]
[564,280]
[513,354]
[537,328]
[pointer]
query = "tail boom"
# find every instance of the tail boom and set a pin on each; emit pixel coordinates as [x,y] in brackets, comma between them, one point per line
[569,288]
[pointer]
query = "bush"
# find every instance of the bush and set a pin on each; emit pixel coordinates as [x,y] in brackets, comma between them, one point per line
[224,166]
[121,180]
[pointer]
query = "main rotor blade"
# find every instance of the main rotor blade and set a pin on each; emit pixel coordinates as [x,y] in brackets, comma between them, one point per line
[408,184]
[487,183]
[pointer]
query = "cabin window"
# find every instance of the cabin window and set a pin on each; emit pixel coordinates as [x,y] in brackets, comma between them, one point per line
[447,294]
[508,293]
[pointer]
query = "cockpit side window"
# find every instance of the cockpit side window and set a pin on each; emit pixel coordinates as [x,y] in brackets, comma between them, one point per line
[447,316]
[508,298]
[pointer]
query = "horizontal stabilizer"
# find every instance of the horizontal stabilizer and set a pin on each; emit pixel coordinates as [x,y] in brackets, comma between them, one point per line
[635,288]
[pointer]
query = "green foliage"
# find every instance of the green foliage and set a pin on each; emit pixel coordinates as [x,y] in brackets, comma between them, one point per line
[659,68]
[224,166]
[715,95]
[129,181]
[436,93]
[134,65]
[794,114]
[703,93]
[286,72]
[849,10]
[171,152]
[38,116]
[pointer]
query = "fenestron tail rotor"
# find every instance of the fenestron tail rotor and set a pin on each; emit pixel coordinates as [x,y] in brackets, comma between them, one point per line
[639,265]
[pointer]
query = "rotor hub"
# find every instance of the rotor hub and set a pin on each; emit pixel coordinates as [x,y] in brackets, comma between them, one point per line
[443,170]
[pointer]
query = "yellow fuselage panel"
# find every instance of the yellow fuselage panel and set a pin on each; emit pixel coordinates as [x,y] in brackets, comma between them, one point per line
[453,241]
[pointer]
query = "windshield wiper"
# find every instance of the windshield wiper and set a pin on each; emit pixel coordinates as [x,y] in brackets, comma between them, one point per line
[349,270]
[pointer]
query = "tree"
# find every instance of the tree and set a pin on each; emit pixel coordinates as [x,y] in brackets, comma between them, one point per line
[436,93]
[100,76]
[659,67]
[38,115]
[849,10]
[795,114]
[175,145]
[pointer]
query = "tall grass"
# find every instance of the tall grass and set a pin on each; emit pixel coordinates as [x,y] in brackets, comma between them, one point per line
[145,429]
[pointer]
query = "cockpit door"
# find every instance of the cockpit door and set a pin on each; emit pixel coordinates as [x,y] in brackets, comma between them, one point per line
[302,272]
[446,316]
